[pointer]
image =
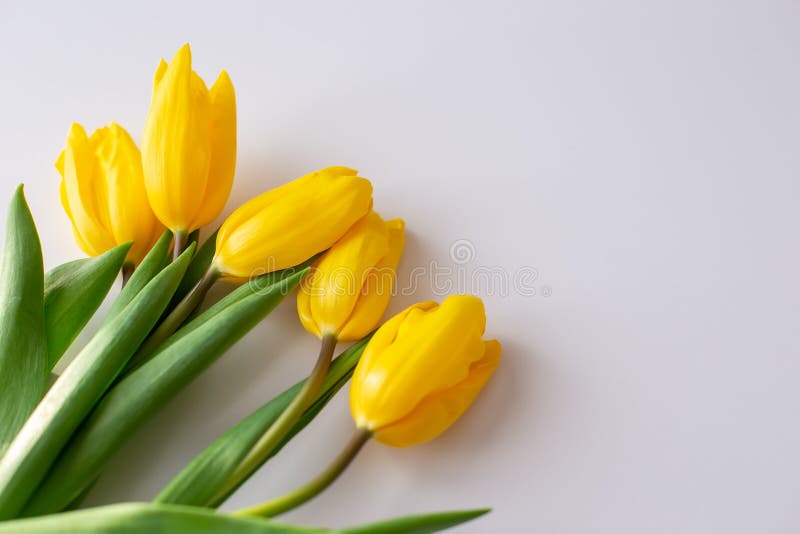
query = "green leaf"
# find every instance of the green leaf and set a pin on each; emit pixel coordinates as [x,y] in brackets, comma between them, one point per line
[199,483]
[149,518]
[72,293]
[78,389]
[23,352]
[138,396]
[418,524]
[142,518]
[152,264]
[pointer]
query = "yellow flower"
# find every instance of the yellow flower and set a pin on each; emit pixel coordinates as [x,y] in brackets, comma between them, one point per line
[102,191]
[189,145]
[421,370]
[289,224]
[349,288]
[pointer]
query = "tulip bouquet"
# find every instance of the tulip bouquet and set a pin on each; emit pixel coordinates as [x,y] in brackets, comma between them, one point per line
[139,213]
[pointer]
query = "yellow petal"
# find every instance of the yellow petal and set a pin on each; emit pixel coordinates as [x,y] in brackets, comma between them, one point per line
[438,411]
[132,219]
[223,151]
[364,372]
[262,202]
[78,238]
[345,269]
[60,164]
[304,293]
[286,226]
[80,191]
[176,147]
[160,70]
[432,351]
[378,288]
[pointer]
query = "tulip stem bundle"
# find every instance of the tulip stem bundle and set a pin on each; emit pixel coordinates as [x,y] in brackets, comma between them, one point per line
[265,446]
[305,493]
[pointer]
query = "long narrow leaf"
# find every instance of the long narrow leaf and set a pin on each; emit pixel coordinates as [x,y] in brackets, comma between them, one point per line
[138,396]
[200,482]
[72,293]
[23,352]
[418,524]
[141,518]
[78,389]
[149,518]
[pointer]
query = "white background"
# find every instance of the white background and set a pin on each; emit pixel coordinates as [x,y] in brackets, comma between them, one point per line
[641,156]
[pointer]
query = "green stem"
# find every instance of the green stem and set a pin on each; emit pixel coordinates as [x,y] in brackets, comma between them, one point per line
[179,243]
[286,421]
[295,498]
[175,319]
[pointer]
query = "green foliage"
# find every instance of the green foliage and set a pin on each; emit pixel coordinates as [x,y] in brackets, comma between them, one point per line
[141,518]
[140,395]
[418,524]
[23,351]
[75,393]
[72,293]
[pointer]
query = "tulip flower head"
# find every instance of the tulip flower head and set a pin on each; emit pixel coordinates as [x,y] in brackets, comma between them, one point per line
[103,193]
[189,145]
[349,287]
[421,371]
[291,223]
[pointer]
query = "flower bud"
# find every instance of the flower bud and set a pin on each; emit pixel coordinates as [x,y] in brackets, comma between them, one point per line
[291,223]
[349,288]
[421,370]
[189,145]
[102,191]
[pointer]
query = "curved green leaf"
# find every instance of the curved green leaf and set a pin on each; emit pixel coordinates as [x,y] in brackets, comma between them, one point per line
[72,293]
[149,518]
[138,396]
[418,524]
[23,352]
[200,482]
[78,389]
[142,518]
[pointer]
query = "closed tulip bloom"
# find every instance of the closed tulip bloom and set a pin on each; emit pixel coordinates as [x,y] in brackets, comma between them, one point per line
[349,288]
[422,370]
[291,223]
[189,145]
[102,191]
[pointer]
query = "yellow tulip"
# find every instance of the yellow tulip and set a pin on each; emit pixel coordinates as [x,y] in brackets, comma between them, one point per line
[291,223]
[102,191]
[421,370]
[349,288]
[189,145]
